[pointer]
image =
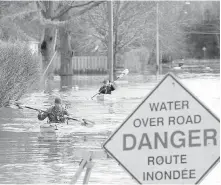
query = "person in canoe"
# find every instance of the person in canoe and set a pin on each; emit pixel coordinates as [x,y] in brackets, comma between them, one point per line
[55,114]
[107,87]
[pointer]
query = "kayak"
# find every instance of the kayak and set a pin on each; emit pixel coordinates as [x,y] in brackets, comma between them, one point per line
[48,128]
[53,130]
[105,97]
[50,131]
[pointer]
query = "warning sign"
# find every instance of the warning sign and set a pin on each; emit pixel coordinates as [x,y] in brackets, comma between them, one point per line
[170,138]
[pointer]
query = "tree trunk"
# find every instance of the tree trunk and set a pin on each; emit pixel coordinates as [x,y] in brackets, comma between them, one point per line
[47,44]
[47,47]
[66,71]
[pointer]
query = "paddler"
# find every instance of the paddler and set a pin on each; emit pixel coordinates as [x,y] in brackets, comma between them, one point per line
[107,87]
[55,114]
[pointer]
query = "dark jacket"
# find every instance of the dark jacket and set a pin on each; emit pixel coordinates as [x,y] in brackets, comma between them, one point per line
[107,89]
[53,115]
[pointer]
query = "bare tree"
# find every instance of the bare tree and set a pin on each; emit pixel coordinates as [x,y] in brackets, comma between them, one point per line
[59,15]
[130,23]
[18,21]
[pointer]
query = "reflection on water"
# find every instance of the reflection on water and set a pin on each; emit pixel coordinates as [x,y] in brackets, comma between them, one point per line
[26,158]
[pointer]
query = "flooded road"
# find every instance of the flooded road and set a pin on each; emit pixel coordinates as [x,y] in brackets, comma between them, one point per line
[24,159]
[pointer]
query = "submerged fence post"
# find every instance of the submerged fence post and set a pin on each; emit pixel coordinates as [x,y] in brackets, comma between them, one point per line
[88,172]
[86,162]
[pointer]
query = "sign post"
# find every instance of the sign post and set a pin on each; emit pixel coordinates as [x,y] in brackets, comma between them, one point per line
[170,138]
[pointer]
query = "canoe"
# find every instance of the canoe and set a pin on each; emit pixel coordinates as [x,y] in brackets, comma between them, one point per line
[105,97]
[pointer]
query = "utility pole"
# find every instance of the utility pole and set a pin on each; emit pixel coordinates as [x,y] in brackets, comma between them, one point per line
[157,40]
[110,40]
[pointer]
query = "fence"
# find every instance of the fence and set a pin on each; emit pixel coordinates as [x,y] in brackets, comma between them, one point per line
[90,64]
[98,65]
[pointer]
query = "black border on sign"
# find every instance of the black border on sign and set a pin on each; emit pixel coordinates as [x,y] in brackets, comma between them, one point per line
[204,106]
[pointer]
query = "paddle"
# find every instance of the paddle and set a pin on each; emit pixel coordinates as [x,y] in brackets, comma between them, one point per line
[124,72]
[84,122]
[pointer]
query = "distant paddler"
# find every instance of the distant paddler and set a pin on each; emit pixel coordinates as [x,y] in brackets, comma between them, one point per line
[55,114]
[107,87]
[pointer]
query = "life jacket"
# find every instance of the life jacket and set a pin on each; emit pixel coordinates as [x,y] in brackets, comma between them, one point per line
[56,116]
[106,89]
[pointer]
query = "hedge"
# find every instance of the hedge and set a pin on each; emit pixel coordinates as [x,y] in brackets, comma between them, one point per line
[19,69]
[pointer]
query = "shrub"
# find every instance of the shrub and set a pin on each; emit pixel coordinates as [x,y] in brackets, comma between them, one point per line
[19,69]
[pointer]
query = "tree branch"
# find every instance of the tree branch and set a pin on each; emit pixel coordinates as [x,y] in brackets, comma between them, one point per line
[100,38]
[42,7]
[16,15]
[132,39]
[140,13]
[69,7]
[89,8]
[98,27]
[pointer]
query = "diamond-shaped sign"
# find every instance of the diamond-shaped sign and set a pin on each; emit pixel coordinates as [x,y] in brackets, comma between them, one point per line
[170,138]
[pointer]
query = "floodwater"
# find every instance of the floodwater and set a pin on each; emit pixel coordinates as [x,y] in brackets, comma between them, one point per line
[25,159]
